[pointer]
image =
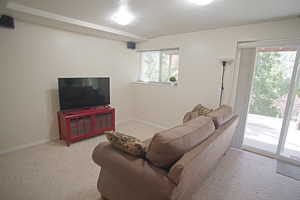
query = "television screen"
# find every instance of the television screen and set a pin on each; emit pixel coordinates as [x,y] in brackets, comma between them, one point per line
[83,92]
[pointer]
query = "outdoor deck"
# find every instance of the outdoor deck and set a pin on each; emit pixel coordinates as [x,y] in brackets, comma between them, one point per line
[263,132]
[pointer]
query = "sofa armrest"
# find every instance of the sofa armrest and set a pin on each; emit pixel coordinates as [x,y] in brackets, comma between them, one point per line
[130,169]
[114,160]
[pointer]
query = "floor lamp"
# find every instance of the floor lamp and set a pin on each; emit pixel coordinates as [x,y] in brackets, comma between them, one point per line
[225,62]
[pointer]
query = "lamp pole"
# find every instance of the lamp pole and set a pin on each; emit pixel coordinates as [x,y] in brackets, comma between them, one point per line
[222,86]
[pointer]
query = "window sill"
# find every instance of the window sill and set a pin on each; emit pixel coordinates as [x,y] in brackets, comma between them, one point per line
[160,84]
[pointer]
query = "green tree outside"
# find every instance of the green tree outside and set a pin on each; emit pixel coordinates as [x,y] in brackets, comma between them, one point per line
[271,82]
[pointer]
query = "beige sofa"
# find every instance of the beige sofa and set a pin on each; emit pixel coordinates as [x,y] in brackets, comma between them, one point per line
[177,161]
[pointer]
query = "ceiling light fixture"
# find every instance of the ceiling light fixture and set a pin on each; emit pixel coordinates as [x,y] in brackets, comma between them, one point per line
[201,2]
[123,16]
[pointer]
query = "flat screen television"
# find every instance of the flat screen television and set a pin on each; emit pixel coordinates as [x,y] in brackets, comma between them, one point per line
[83,92]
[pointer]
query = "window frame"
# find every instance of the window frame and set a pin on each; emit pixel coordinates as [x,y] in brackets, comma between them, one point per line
[160,65]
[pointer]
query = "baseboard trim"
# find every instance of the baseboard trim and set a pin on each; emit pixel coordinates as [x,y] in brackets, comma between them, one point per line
[148,123]
[118,123]
[13,149]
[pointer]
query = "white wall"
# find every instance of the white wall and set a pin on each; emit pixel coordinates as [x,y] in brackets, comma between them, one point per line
[31,59]
[200,70]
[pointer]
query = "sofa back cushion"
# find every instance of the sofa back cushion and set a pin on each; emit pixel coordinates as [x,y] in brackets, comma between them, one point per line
[196,164]
[169,146]
[221,115]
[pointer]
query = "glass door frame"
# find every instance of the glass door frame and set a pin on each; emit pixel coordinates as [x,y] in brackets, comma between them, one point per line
[288,108]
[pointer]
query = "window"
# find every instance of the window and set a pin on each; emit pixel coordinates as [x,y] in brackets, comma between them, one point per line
[159,65]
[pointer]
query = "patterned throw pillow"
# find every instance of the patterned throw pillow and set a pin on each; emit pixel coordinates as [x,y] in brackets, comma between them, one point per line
[197,111]
[126,143]
[201,110]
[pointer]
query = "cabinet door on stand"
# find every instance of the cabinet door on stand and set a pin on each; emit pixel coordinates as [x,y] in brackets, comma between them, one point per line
[80,126]
[103,121]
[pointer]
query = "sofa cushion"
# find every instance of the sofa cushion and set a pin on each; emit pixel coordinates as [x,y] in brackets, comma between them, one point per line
[198,110]
[147,143]
[221,115]
[125,177]
[126,143]
[202,110]
[168,146]
[202,157]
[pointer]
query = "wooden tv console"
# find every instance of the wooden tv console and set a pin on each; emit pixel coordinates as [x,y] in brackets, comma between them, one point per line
[80,124]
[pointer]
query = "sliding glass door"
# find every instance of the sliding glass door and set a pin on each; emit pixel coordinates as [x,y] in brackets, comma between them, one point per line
[289,142]
[273,120]
[291,139]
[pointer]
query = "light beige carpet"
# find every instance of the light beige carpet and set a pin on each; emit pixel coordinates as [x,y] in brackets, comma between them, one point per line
[243,175]
[53,171]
